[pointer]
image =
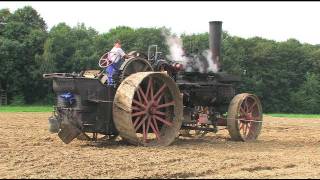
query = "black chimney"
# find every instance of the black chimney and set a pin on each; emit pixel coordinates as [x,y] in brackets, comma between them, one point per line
[215,30]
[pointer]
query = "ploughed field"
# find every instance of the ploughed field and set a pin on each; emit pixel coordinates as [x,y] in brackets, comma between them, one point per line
[286,148]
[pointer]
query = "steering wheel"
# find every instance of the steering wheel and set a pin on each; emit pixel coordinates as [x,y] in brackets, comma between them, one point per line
[104,60]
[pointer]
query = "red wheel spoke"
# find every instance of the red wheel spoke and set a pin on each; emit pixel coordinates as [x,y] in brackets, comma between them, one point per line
[143,95]
[147,128]
[245,129]
[242,110]
[241,126]
[155,124]
[252,128]
[149,87]
[155,129]
[138,113]
[160,90]
[139,96]
[136,108]
[141,122]
[151,90]
[166,105]
[246,105]
[252,106]
[249,128]
[138,103]
[160,113]
[136,121]
[159,97]
[163,120]
[144,131]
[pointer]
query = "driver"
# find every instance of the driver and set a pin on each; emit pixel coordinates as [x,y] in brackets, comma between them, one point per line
[116,56]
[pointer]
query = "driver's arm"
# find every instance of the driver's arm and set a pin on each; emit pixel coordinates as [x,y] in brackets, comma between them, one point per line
[123,54]
[126,56]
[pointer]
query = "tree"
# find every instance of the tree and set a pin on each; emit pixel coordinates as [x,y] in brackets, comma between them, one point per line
[70,49]
[307,98]
[23,36]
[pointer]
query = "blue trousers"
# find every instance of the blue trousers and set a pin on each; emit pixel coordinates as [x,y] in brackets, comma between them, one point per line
[113,69]
[110,70]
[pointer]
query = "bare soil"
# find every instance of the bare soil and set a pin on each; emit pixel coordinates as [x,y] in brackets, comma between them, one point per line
[286,148]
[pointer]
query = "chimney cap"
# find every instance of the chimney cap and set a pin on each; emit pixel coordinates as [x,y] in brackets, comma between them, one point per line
[215,21]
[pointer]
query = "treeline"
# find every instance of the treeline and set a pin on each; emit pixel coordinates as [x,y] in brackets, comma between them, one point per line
[285,75]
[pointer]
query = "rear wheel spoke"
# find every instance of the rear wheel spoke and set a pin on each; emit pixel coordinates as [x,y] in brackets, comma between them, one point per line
[136,121]
[139,96]
[147,128]
[144,132]
[141,122]
[163,120]
[148,87]
[165,105]
[143,95]
[138,113]
[154,129]
[155,123]
[136,108]
[159,97]
[138,103]
[160,113]
[160,90]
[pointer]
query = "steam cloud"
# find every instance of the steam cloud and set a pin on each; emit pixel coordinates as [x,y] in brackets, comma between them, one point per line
[202,63]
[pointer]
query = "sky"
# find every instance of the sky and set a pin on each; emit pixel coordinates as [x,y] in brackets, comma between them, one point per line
[271,20]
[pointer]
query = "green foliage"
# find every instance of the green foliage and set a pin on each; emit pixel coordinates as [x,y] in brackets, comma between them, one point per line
[307,98]
[195,43]
[295,115]
[22,38]
[18,100]
[69,49]
[24,108]
[285,75]
[272,70]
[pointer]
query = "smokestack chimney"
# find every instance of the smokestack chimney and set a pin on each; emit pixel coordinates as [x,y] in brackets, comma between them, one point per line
[215,30]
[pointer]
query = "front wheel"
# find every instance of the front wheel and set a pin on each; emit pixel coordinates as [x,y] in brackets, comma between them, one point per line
[244,117]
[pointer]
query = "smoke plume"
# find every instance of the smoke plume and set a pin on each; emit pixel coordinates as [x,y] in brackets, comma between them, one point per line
[196,63]
[212,67]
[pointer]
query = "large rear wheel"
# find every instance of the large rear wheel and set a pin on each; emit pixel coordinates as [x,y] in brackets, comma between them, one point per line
[134,65]
[147,109]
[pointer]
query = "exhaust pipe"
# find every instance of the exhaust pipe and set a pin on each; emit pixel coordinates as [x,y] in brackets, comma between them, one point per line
[215,30]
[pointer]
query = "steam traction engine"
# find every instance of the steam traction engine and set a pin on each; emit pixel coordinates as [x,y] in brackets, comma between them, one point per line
[153,101]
